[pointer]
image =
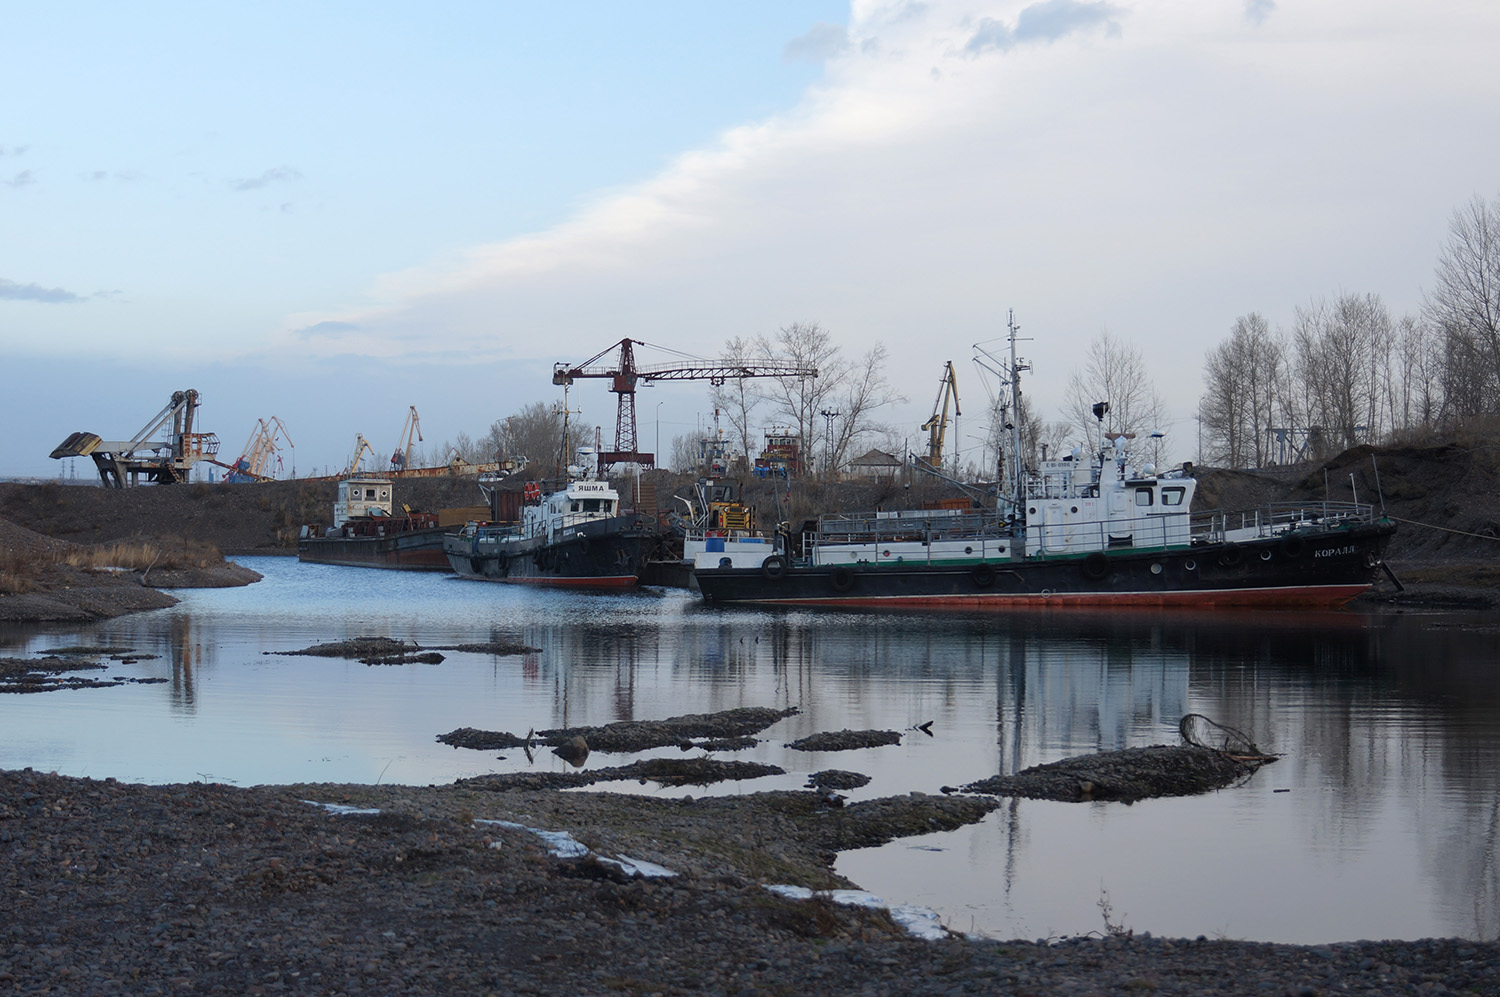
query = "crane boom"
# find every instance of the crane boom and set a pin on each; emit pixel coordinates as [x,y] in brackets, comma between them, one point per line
[624,375]
[936,428]
[401,458]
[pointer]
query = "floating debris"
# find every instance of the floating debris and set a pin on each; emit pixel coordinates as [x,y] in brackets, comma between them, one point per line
[390,651]
[357,647]
[1128,775]
[846,740]
[500,647]
[422,658]
[837,779]
[685,732]
[663,771]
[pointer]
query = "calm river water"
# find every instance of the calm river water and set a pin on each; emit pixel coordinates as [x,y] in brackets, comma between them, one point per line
[1382,820]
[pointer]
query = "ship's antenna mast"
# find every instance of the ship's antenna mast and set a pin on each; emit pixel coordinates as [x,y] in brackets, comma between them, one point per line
[1008,373]
[1016,366]
[565,450]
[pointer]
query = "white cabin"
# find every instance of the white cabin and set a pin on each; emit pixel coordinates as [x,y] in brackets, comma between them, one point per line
[559,511]
[361,498]
[1074,507]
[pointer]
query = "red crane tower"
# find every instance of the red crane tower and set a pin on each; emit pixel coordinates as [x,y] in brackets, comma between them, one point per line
[625,374]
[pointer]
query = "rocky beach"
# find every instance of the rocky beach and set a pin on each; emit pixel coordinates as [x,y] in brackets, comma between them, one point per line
[111,888]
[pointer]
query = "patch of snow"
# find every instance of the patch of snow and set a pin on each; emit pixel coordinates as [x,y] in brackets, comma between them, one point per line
[341,809]
[918,921]
[563,845]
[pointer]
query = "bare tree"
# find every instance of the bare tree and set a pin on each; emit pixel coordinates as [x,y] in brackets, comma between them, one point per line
[1242,378]
[1465,304]
[800,400]
[1114,372]
[1337,350]
[739,398]
[535,433]
[866,391]
[686,453]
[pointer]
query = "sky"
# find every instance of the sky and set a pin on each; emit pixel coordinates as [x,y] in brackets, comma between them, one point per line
[329,213]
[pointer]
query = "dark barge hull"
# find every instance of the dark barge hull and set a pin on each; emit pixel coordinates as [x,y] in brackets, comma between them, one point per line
[1318,570]
[600,554]
[411,550]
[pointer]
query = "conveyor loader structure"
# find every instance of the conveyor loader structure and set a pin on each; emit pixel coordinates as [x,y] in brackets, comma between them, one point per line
[163,452]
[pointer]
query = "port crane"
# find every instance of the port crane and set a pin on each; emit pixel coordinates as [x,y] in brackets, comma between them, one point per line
[401,459]
[936,428]
[361,447]
[264,447]
[165,461]
[624,374]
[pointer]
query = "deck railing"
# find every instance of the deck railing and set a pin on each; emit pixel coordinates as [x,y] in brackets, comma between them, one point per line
[1277,518]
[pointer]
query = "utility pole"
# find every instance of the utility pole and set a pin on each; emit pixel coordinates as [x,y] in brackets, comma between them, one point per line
[828,417]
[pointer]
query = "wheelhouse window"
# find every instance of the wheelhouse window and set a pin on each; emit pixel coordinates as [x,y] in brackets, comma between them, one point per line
[1173,496]
[1144,497]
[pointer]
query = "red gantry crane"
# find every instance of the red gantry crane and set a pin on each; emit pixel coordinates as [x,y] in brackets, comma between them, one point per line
[624,374]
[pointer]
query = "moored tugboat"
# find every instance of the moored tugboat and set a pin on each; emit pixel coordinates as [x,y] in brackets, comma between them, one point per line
[1083,531]
[576,536]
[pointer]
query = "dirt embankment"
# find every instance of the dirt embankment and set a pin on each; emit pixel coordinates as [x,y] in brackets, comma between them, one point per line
[44,579]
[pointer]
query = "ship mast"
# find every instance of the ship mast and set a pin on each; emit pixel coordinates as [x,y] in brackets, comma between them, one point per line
[1017,471]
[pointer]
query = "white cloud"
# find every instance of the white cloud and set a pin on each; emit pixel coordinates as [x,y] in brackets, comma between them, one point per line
[1156,181]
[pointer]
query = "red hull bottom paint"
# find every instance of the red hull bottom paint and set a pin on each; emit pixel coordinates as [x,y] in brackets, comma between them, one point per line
[1313,597]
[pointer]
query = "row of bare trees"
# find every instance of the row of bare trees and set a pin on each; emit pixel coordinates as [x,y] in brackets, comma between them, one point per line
[1347,372]
[836,414]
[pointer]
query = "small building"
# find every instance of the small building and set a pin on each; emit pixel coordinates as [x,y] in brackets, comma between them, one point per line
[875,464]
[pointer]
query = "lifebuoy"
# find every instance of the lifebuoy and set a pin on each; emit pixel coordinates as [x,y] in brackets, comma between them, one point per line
[842,579]
[1096,566]
[1231,555]
[773,567]
[532,492]
[1292,545]
[984,575]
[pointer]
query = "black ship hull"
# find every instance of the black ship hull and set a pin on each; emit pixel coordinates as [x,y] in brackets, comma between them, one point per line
[606,554]
[1323,569]
[411,550]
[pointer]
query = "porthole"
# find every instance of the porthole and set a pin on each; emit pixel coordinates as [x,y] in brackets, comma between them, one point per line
[1156,569]
[1190,564]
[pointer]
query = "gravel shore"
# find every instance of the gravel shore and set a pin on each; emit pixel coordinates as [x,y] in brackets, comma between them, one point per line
[111,888]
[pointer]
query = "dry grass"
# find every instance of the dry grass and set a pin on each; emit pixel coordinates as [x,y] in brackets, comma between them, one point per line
[24,571]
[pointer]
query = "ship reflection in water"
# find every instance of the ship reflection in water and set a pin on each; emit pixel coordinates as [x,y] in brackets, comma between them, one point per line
[1380,821]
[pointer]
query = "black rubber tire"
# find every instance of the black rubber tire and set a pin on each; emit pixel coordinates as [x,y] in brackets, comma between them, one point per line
[841,578]
[1293,546]
[1231,556]
[1096,566]
[774,567]
[984,575]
